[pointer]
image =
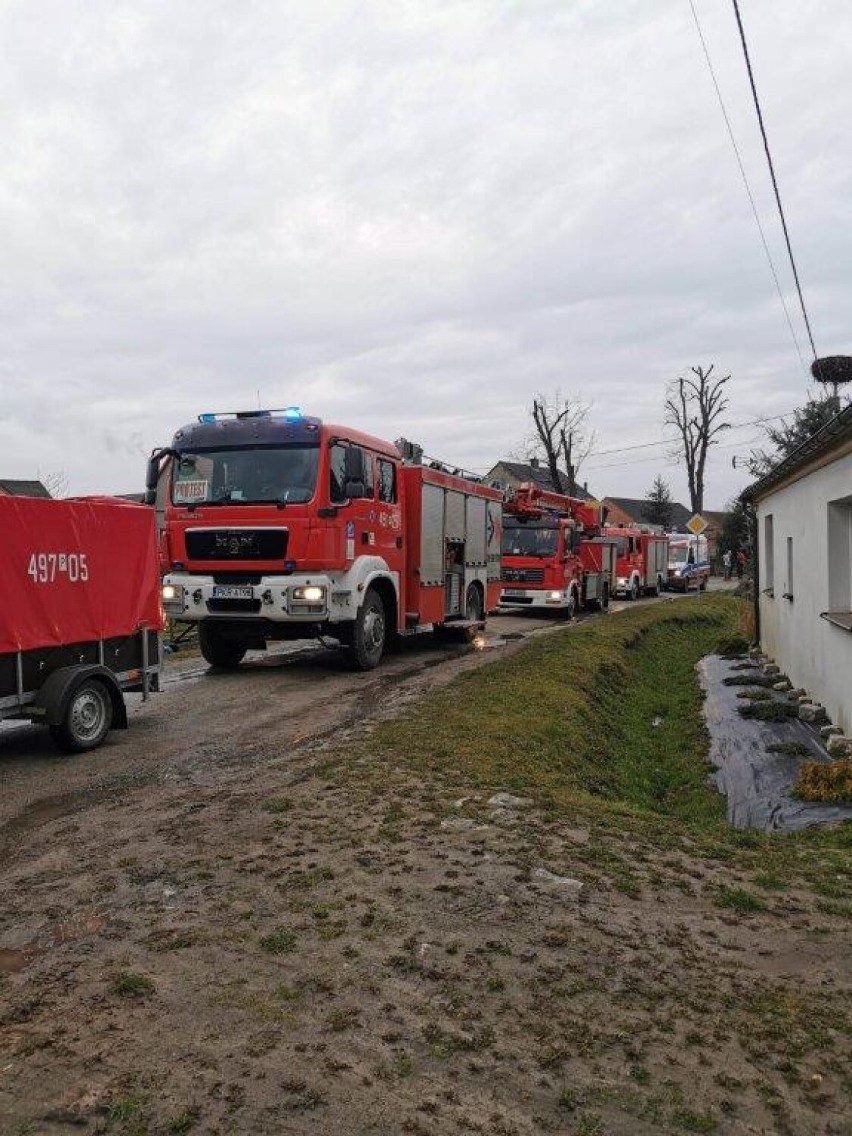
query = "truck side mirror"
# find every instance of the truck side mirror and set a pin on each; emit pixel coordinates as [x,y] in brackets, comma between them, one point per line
[152,477]
[354,472]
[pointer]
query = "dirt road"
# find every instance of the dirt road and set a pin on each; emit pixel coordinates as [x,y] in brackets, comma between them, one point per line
[205,929]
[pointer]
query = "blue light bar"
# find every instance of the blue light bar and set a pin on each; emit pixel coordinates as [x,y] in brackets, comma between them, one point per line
[292,413]
[207,418]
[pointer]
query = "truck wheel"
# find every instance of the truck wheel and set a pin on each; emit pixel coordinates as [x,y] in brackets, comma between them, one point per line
[368,633]
[225,654]
[604,600]
[88,717]
[571,610]
[473,604]
[633,592]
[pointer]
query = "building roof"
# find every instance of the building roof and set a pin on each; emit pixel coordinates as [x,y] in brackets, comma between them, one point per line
[540,475]
[835,432]
[22,488]
[635,507]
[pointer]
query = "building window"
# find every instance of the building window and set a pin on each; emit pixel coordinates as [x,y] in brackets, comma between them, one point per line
[788,590]
[768,556]
[840,560]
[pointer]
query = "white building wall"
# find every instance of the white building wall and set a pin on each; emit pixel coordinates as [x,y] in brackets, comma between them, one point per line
[815,654]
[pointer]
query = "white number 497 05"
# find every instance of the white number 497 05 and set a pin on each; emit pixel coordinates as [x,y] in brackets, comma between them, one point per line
[48,567]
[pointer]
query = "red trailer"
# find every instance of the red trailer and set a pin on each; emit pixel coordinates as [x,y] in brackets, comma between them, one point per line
[280,526]
[80,613]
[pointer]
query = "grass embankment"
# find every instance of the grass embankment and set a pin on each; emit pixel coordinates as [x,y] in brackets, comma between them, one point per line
[603,725]
[605,718]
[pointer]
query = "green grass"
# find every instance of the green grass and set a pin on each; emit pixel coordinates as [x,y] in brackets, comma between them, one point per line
[128,985]
[568,719]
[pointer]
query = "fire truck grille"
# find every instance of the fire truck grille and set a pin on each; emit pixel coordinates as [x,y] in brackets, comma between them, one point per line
[523,575]
[236,544]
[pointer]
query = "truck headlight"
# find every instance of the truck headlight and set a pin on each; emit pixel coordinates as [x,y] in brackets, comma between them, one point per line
[311,594]
[555,596]
[173,593]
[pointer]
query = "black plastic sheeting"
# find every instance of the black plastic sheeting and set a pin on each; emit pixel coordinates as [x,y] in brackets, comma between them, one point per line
[756,783]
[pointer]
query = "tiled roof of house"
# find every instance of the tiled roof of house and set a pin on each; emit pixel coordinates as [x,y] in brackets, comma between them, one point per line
[635,507]
[23,488]
[540,475]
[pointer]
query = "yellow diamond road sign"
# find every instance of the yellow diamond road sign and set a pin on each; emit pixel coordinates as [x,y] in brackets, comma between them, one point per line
[696,524]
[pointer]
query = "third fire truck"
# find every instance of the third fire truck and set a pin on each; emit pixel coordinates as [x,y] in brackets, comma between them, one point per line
[281,526]
[554,556]
[643,561]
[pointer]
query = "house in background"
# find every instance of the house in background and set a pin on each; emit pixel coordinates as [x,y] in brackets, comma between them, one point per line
[631,511]
[804,560]
[516,473]
[10,488]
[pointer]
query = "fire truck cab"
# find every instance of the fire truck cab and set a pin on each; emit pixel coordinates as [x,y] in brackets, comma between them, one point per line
[553,555]
[643,561]
[280,526]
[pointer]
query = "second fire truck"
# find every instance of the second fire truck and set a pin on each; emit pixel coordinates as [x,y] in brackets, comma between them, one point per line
[554,556]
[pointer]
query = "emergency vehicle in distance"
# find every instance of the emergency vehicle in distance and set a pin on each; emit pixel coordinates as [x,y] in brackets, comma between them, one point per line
[643,560]
[80,614]
[689,563]
[280,526]
[553,553]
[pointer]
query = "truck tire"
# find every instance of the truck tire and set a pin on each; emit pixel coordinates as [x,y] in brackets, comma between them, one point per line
[87,718]
[369,633]
[219,652]
[473,606]
[604,600]
[633,590]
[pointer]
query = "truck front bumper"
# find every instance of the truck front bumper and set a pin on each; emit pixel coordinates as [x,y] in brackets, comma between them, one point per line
[314,598]
[524,598]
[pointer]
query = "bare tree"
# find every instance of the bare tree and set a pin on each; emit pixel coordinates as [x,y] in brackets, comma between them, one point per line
[56,483]
[695,407]
[561,436]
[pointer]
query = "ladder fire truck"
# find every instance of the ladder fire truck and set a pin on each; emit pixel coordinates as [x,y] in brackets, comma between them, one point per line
[554,556]
[280,526]
[643,560]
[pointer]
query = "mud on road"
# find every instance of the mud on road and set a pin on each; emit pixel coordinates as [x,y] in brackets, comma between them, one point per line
[206,929]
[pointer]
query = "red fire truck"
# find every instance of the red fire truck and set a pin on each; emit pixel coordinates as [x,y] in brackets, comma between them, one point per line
[643,561]
[280,526]
[80,614]
[553,554]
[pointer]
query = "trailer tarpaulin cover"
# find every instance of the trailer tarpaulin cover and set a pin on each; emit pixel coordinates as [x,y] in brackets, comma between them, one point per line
[76,571]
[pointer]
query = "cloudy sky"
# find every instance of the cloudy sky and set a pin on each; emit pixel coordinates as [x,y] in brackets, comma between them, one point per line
[408,216]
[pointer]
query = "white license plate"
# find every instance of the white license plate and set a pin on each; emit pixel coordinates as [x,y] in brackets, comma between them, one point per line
[513,591]
[232,592]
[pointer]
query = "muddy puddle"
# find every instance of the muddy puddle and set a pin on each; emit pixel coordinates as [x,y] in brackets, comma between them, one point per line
[13,961]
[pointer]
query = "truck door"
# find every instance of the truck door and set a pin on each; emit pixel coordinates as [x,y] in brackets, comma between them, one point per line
[358,519]
[388,512]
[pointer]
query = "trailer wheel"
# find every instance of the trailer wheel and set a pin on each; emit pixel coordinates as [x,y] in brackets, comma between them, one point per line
[218,651]
[87,719]
[368,633]
[473,604]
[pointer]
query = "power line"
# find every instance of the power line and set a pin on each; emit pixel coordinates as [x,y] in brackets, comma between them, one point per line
[747,186]
[772,174]
[674,441]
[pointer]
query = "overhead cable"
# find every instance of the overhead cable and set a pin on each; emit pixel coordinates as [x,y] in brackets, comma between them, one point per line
[772,174]
[744,176]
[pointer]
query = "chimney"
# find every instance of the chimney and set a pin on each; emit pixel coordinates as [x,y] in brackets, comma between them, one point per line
[534,463]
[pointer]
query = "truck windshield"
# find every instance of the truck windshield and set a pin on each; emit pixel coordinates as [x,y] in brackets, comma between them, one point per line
[530,539]
[258,475]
